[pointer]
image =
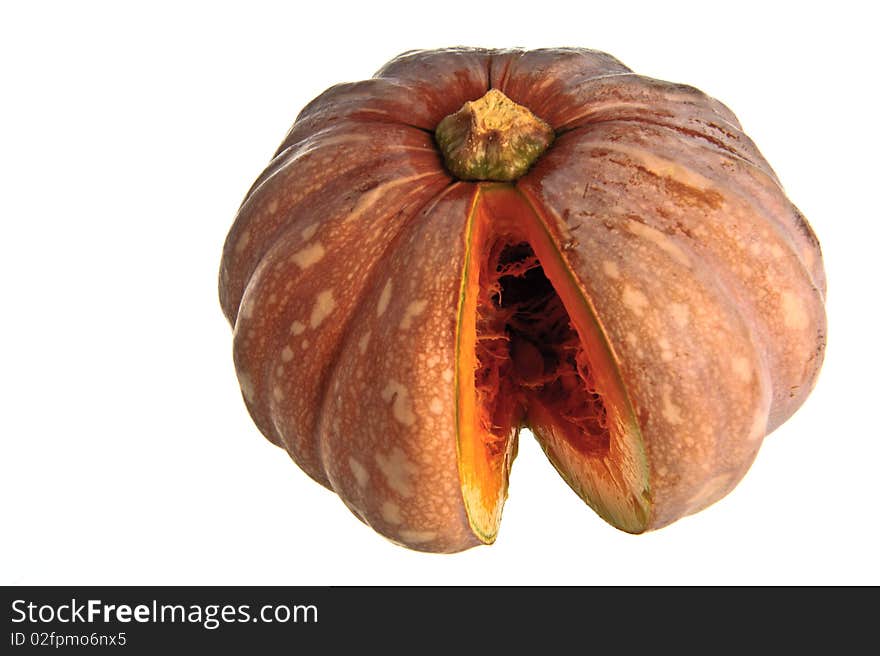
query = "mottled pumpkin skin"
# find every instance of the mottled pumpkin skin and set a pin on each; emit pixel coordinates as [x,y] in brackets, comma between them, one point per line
[342,279]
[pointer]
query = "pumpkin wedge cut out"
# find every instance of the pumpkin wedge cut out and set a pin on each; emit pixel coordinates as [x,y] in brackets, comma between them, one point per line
[476,241]
[531,353]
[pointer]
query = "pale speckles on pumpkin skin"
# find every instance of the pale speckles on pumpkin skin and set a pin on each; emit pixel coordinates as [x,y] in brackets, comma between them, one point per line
[398,396]
[243,241]
[741,368]
[384,299]
[247,387]
[634,299]
[417,537]
[659,239]
[397,470]
[364,341]
[699,231]
[371,196]
[366,200]
[309,231]
[759,426]
[671,412]
[247,308]
[666,353]
[688,187]
[793,312]
[286,354]
[297,328]
[324,306]
[413,310]
[447,375]
[360,473]
[436,406]
[633,340]
[309,255]
[680,313]
[611,269]
[391,512]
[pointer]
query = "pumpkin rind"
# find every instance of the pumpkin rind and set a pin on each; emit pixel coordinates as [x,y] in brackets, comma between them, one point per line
[388,419]
[284,234]
[342,274]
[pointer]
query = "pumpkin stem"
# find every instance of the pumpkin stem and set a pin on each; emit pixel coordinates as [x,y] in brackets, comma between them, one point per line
[492,138]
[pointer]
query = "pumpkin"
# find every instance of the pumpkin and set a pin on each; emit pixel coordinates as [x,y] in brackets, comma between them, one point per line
[476,241]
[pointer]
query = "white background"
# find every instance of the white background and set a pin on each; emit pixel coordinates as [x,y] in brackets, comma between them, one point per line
[128,137]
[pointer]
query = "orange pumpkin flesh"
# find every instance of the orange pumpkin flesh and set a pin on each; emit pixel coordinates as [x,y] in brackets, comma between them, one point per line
[531,353]
[637,290]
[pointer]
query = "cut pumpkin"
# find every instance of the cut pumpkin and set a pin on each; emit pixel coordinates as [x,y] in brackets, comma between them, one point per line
[476,241]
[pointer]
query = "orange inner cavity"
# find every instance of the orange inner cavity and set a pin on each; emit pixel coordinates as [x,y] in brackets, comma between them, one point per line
[531,353]
[528,352]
